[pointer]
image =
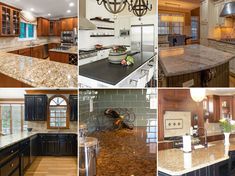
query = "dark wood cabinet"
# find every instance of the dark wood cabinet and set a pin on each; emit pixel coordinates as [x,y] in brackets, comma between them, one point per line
[9,20]
[24,156]
[226,106]
[211,108]
[73,102]
[36,107]
[43,26]
[53,45]
[37,52]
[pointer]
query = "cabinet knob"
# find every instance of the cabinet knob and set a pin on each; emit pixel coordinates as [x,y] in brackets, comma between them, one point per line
[12,151]
[12,165]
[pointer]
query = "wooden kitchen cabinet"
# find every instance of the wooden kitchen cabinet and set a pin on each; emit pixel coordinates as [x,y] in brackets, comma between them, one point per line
[36,107]
[25,52]
[75,22]
[226,106]
[9,20]
[54,29]
[211,107]
[37,52]
[53,45]
[24,155]
[43,26]
[59,57]
[67,24]
[14,52]
[73,102]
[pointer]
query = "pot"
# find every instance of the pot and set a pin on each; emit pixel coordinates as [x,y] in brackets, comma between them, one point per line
[116,58]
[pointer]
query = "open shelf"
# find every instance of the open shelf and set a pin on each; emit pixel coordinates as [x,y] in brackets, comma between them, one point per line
[101,35]
[105,28]
[106,21]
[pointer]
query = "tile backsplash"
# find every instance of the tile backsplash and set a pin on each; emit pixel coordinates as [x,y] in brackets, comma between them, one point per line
[136,101]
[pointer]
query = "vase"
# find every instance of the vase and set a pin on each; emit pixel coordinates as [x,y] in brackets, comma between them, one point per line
[226,139]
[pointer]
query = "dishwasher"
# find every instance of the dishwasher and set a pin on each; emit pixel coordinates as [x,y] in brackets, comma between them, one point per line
[45,51]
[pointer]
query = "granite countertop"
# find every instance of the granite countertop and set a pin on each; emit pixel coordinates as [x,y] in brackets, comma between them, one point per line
[223,41]
[191,58]
[172,161]
[72,50]
[110,73]
[38,72]
[125,152]
[11,139]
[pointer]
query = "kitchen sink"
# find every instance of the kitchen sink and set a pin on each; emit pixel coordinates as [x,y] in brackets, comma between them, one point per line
[32,44]
[202,146]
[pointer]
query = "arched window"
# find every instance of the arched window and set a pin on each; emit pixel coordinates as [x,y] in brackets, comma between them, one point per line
[58,112]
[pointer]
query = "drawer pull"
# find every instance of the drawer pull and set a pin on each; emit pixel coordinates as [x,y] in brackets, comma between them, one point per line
[12,165]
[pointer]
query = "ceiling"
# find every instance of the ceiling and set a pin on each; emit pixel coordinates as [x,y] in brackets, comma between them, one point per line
[182,4]
[12,93]
[220,91]
[57,8]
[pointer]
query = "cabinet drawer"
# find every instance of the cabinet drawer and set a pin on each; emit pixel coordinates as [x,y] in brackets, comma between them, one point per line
[8,152]
[10,166]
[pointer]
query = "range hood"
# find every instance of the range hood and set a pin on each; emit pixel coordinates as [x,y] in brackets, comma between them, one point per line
[84,23]
[228,10]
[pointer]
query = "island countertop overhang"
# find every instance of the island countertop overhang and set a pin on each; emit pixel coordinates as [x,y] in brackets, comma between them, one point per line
[187,59]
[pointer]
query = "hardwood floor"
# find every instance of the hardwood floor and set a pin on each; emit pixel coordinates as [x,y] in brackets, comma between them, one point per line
[53,166]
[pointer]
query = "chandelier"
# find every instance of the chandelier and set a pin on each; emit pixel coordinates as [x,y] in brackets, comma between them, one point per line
[197,94]
[140,7]
[113,6]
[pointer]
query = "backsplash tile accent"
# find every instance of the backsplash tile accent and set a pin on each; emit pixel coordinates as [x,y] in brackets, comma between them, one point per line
[135,100]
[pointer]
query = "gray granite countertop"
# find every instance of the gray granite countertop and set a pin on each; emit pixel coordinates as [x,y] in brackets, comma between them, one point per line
[8,140]
[37,72]
[72,50]
[191,58]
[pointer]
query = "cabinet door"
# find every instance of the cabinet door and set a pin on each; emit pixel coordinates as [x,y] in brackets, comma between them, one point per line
[73,101]
[226,106]
[41,108]
[52,147]
[25,159]
[37,52]
[5,21]
[67,24]
[29,108]
[75,22]
[25,52]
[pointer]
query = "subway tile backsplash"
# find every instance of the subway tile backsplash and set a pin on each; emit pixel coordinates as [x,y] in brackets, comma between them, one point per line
[136,101]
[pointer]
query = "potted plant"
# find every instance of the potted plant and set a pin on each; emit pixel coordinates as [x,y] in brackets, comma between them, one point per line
[227,126]
[117,54]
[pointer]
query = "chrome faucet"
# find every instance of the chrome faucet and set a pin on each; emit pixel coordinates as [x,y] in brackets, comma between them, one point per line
[205,136]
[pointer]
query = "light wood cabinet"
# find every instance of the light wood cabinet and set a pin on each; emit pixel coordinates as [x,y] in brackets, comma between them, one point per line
[67,24]
[9,20]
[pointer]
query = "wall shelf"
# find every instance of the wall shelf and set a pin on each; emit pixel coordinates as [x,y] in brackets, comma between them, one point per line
[101,35]
[97,19]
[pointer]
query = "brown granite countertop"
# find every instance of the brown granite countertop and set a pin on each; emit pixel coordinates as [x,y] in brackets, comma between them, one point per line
[222,41]
[125,153]
[175,162]
[191,58]
[37,72]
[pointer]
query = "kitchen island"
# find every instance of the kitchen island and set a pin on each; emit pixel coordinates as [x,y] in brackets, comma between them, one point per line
[26,71]
[125,152]
[102,73]
[193,66]
[212,161]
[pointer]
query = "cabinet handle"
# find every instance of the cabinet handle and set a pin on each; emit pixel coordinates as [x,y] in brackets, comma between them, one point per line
[12,165]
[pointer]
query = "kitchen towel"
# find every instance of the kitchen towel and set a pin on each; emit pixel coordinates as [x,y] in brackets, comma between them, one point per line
[187,143]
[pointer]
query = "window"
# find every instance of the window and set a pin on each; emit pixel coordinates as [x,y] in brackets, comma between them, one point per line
[194,27]
[12,118]
[58,115]
[151,131]
[27,31]
[170,23]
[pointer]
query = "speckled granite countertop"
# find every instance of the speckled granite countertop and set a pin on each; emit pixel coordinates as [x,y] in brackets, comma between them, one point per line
[8,140]
[38,72]
[72,50]
[175,162]
[223,41]
[191,58]
[125,153]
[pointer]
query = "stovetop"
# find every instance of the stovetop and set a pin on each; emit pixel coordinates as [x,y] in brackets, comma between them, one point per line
[87,53]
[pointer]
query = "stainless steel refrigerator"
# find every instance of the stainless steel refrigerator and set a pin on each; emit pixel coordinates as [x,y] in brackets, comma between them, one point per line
[142,38]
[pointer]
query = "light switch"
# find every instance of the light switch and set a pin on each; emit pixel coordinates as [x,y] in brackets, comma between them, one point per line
[91,105]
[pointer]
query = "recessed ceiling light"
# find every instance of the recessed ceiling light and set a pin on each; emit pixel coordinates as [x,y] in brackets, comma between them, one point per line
[71,4]
[32,9]
[68,11]
[49,14]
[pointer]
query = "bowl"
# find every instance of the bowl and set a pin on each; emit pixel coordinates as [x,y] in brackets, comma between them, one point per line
[29,129]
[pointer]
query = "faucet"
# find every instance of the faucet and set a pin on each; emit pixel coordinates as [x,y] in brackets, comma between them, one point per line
[205,135]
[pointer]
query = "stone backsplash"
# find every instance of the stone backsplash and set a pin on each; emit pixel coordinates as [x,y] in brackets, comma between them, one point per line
[6,42]
[136,101]
[42,127]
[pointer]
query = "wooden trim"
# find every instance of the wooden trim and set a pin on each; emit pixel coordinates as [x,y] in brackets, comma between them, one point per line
[67,113]
[62,91]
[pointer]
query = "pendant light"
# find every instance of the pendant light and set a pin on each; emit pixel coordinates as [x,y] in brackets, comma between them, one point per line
[113,6]
[140,7]
[197,94]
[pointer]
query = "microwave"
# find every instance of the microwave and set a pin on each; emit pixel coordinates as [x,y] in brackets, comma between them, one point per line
[124,33]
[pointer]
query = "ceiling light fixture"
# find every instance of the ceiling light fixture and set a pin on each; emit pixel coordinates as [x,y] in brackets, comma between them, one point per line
[113,6]
[140,7]
[71,4]
[49,14]
[32,9]
[68,11]
[198,94]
